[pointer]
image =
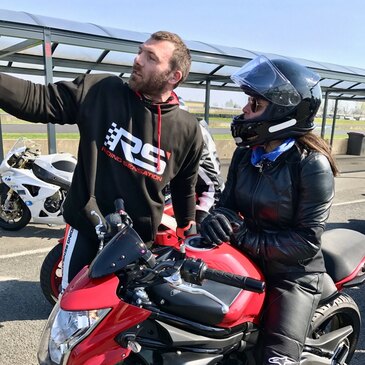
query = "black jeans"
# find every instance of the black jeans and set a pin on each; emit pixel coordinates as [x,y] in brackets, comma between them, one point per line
[290,305]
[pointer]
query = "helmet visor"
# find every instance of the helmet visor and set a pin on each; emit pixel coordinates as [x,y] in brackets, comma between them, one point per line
[262,77]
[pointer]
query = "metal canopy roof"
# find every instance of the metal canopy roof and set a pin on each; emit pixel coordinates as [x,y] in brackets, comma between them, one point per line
[27,40]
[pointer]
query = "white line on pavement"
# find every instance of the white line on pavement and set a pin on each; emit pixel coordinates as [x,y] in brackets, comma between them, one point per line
[7,278]
[350,202]
[26,253]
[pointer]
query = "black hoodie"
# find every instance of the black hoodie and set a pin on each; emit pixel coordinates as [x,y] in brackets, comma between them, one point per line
[129,147]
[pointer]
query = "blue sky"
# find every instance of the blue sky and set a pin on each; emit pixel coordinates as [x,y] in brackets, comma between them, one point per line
[320,30]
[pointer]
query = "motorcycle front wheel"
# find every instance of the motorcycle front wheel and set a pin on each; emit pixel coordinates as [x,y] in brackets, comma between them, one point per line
[342,311]
[14,214]
[51,274]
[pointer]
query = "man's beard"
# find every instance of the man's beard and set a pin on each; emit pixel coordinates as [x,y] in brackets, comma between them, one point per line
[154,84]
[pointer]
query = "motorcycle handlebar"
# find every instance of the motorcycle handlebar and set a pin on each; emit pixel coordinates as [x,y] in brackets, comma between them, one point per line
[243,282]
[195,271]
[119,205]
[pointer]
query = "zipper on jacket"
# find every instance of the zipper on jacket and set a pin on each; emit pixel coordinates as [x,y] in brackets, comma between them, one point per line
[264,164]
[253,195]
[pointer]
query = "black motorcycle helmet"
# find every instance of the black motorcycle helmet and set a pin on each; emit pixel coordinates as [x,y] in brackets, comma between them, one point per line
[294,96]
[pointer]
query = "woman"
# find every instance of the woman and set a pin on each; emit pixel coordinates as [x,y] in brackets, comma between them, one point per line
[281,180]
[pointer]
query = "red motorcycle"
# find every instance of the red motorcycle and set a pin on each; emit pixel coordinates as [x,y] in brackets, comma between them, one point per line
[191,305]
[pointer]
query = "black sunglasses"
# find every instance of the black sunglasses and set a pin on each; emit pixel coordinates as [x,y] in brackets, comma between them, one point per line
[255,105]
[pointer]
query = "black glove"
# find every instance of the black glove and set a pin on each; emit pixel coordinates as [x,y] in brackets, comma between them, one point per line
[200,215]
[223,225]
[216,228]
[114,224]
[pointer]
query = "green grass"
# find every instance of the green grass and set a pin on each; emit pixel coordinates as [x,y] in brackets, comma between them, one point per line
[214,122]
[73,136]
[318,121]
[349,125]
[40,135]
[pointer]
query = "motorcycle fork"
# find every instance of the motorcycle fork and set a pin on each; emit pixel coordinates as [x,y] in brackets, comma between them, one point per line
[7,200]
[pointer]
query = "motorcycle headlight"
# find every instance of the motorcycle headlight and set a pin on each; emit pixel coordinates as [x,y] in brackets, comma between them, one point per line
[64,330]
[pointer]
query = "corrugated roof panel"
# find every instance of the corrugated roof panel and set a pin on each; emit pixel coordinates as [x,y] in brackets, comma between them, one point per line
[96,72]
[333,67]
[227,70]
[69,69]
[119,58]
[125,34]
[83,53]
[328,82]
[201,47]
[345,85]
[199,67]
[31,66]
[237,52]
[17,17]
[70,25]
[6,42]
[34,51]
[356,70]
[309,63]
[360,86]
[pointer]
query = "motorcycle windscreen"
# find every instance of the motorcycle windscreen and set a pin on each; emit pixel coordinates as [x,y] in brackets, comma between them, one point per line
[123,249]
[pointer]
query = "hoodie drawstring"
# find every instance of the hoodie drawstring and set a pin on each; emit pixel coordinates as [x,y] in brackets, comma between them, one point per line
[172,100]
[159,123]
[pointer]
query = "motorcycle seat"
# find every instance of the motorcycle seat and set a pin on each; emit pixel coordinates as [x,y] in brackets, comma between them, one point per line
[343,251]
[51,178]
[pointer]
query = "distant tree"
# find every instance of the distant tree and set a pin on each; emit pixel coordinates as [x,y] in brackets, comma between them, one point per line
[359,110]
[229,104]
[344,108]
[362,107]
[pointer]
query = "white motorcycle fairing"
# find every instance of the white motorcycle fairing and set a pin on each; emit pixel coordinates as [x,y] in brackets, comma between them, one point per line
[21,181]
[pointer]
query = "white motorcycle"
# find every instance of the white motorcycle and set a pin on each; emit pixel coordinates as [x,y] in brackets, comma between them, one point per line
[33,186]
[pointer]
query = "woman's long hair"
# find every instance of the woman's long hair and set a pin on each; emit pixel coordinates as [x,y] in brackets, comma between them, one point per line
[312,142]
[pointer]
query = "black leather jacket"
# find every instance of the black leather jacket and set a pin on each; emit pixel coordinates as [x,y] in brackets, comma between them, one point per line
[285,205]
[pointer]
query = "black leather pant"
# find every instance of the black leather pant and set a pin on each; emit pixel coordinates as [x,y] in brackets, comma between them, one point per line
[290,305]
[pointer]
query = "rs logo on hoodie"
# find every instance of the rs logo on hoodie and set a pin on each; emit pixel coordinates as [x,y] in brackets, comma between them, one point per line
[135,151]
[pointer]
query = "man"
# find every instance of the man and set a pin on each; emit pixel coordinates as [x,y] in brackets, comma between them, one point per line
[134,139]
[210,182]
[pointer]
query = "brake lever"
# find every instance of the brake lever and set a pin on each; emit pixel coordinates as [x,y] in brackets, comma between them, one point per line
[176,282]
[99,229]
